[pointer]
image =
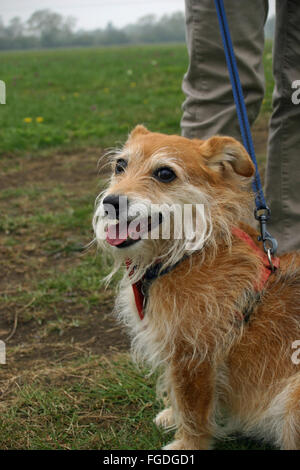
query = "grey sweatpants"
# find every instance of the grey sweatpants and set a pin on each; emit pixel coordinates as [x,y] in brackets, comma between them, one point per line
[209,107]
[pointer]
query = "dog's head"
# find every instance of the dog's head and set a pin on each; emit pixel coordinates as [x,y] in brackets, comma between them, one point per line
[168,195]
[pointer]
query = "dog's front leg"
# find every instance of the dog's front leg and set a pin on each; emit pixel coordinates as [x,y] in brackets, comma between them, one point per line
[192,400]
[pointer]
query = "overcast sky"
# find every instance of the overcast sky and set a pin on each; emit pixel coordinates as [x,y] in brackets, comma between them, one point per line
[92,14]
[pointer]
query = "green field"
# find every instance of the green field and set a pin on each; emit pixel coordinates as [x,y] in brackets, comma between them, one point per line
[89,96]
[93,97]
[68,382]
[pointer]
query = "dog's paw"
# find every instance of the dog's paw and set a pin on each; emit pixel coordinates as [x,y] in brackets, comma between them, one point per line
[164,419]
[178,444]
[203,442]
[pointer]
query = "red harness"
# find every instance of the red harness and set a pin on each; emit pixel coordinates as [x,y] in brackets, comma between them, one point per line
[266,271]
[137,292]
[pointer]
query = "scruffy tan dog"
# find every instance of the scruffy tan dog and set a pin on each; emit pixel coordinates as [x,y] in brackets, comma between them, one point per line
[208,312]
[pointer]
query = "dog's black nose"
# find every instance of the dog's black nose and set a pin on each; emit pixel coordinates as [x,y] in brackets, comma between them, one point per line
[113,204]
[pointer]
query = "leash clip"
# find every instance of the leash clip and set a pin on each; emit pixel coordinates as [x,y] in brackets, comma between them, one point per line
[273,269]
[269,243]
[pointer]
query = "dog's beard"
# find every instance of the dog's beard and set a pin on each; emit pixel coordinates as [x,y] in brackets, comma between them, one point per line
[169,230]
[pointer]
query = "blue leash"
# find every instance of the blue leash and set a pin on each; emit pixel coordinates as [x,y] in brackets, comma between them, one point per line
[262,211]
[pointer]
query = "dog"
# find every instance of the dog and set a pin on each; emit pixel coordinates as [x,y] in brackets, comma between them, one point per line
[206,310]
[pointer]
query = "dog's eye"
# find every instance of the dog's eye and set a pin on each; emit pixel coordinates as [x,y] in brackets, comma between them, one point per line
[165,174]
[120,166]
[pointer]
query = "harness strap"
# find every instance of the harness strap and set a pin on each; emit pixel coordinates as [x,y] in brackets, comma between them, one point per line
[141,287]
[266,269]
[137,292]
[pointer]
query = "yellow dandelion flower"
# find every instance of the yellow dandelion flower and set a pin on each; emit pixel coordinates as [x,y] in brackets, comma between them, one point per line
[76,94]
[106,90]
[39,119]
[27,120]
[133,84]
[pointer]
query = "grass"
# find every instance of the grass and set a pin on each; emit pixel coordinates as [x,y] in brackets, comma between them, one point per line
[69,382]
[91,403]
[106,93]
[93,96]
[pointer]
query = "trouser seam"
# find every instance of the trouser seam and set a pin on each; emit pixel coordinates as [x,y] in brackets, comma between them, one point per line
[284,159]
[196,34]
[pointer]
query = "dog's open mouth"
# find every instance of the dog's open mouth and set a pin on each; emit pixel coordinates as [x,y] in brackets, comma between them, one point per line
[126,233]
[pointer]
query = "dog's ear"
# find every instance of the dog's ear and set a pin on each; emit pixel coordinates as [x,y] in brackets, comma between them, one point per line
[218,150]
[138,130]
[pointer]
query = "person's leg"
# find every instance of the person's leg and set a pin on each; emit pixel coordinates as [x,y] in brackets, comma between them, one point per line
[283,165]
[209,108]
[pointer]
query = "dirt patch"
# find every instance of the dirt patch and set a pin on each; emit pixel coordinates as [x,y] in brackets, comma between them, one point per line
[33,250]
[68,168]
[260,136]
[99,333]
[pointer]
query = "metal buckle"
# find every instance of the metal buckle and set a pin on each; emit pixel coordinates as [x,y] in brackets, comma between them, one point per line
[269,243]
[273,269]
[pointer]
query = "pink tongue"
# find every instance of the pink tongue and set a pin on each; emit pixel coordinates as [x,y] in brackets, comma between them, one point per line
[116,234]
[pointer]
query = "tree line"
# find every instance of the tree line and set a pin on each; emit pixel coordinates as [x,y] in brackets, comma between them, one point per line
[46,28]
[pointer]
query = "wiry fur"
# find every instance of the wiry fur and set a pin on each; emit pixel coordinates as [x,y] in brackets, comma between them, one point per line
[193,329]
